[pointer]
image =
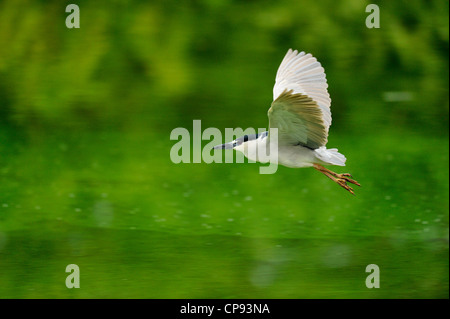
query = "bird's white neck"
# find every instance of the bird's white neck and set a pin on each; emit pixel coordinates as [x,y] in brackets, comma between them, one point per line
[256,150]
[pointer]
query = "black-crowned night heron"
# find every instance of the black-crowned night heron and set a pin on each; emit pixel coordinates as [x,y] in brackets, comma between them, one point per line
[301,113]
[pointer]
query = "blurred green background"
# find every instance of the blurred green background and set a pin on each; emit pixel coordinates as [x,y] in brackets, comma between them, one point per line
[86,177]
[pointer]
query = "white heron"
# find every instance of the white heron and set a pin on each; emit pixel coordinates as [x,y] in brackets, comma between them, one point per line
[301,112]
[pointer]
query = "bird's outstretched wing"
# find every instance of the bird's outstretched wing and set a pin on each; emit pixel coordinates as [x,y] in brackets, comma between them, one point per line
[298,120]
[301,106]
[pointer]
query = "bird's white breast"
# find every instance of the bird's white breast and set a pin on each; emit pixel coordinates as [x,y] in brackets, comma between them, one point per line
[296,156]
[259,150]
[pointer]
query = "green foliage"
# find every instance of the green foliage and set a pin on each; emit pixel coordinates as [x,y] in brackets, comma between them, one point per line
[134,62]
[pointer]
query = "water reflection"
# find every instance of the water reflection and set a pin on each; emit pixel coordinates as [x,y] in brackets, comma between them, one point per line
[145,264]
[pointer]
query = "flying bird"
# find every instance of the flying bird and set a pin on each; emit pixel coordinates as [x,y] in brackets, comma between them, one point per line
[301,112]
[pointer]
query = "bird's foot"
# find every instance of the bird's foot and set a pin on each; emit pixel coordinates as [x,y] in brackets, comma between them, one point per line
[343,183]
[346,178]
[340,179]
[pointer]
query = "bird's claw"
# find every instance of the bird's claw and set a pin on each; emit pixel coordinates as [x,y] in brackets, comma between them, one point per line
[345,177]
[340,179]
[343,183]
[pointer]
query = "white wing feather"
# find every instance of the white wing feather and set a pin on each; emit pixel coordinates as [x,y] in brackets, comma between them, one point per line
[303,74]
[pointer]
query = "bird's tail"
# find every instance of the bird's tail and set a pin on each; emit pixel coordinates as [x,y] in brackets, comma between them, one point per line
[330,156]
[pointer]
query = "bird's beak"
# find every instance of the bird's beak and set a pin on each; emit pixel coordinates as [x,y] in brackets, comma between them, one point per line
[224,146]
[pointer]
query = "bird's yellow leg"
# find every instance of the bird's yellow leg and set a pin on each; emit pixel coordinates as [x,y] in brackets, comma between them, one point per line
[340,179]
